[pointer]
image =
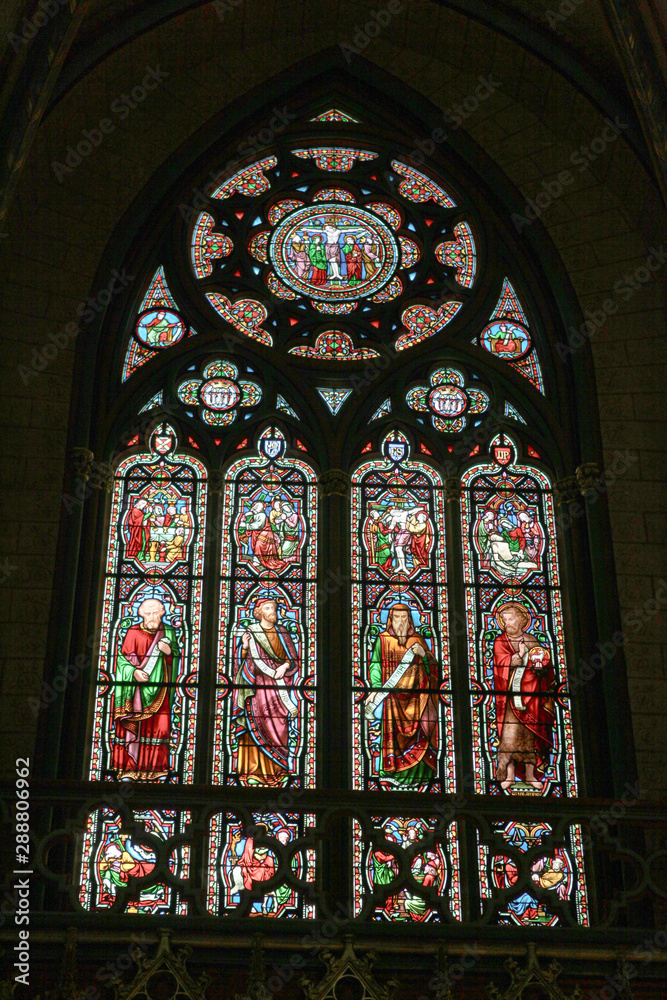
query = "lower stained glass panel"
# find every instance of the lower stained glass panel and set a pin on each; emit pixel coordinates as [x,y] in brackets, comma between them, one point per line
[542,891]
[261,867]
[407,870]
[113,857]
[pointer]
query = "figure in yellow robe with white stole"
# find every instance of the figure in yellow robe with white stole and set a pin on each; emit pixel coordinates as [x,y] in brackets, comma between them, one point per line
[404,704]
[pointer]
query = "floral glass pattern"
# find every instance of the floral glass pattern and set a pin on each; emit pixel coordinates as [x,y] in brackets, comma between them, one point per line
[218,392]
[448,400]
[334,345]
[334,158]
[208,246]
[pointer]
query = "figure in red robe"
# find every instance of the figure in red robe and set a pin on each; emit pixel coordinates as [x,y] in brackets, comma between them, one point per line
[263,544]
[524,684]
[421,537]
[146,667]
[353,260]
[255,864]
[136,522]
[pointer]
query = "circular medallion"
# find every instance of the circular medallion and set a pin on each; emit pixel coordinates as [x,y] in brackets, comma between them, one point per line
[219,394]
[333,252]
[271,481]
[506,339]
[397,486]
[448,400]
[159,328]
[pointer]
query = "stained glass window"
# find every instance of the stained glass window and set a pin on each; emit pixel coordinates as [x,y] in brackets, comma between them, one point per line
[410,873]
[147,686]
[334,115]
[460,253]
[113,859]
[219,393]
[208,246]
[522,742]
[334,398]
[334,158]
[158,325]
[265,725]
[449,402]
[383,410]
[243,856]
[334,345]
[250,181]
[402,710]
[557,891]
[335,284]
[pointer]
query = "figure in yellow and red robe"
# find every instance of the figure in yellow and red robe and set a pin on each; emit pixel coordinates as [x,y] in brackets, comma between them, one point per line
[264,709]
[404,704]
[146,668]
[524,683]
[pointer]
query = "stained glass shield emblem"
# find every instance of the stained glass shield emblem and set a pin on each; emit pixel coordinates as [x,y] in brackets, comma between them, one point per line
[396,450]
[502,454]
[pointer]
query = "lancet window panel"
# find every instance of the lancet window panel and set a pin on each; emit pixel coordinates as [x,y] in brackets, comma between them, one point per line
[522,728]
[402,707]
[267,653]
[146,693]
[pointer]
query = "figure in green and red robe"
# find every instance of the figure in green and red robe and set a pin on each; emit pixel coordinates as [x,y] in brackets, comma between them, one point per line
[405,676]
[146,667]
[353,260]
